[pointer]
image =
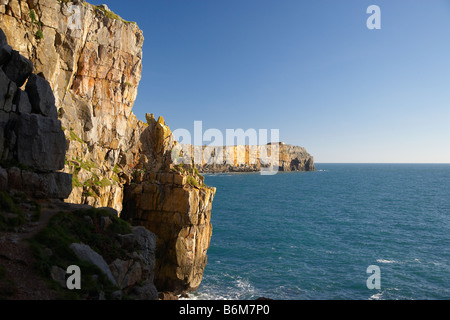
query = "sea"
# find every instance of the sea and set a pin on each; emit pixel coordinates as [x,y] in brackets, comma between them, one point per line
[342,232]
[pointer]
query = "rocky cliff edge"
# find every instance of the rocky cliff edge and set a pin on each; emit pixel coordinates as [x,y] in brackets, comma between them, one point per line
[91,59]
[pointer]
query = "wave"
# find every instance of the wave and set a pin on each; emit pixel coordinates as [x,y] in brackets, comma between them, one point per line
[386,261]
[238,289]
[377,296]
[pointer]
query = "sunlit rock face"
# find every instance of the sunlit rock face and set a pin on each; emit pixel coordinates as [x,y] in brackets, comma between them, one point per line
[92,60]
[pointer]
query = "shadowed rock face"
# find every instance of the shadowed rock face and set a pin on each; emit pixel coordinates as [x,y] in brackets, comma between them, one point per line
[32,142]
[92,61]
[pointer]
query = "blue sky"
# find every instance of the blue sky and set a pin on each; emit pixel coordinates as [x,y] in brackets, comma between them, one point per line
[310,68]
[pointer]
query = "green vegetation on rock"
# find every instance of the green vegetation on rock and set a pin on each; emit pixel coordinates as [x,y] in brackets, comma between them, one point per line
[52,249]
[191,180]
[109,13]
[12,215]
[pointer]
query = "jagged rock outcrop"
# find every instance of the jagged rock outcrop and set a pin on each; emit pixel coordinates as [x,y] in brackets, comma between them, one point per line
[133,274]
[174,204]
[116,260]
[251,158]
[295,158]
[181,218]
[92,60]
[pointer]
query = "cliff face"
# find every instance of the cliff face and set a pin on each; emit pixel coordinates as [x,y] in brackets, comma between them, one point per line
[93,64]
[253,158]
[173,203]
[32,151]
[92,60]
[295,158]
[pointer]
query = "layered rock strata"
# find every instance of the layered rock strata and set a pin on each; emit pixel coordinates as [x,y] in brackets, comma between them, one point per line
[175,204]
[280,157]
[181,218]
[92,59]
[33,148]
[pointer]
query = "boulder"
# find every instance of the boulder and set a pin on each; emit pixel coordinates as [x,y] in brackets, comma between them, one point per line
[57,185]
[145,292]
[111,211]
[145,242]
[59,275]
[18,68]
[53,185]
[41,96]
[140,245]
[167,296]
[41,143]
[85,253]
[126,272]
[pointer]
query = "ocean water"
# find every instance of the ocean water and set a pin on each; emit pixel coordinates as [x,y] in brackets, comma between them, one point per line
[312,235]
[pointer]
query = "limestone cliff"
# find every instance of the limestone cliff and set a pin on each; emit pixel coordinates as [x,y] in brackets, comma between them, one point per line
[252,158]
[92,60]
[32,151]
[93,63]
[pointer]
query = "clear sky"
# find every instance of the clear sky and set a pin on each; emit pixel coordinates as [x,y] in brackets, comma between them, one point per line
[310,68]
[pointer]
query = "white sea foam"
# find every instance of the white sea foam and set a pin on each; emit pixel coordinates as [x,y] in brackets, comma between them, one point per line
[386,261]
[239,289]
[204,296]
[376,296]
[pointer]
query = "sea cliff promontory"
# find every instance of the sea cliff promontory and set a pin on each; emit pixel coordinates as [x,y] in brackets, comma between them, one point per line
[246,158]
[91,60]
[69,75]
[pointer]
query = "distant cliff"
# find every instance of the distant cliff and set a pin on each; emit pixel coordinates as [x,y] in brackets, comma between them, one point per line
[249,159]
